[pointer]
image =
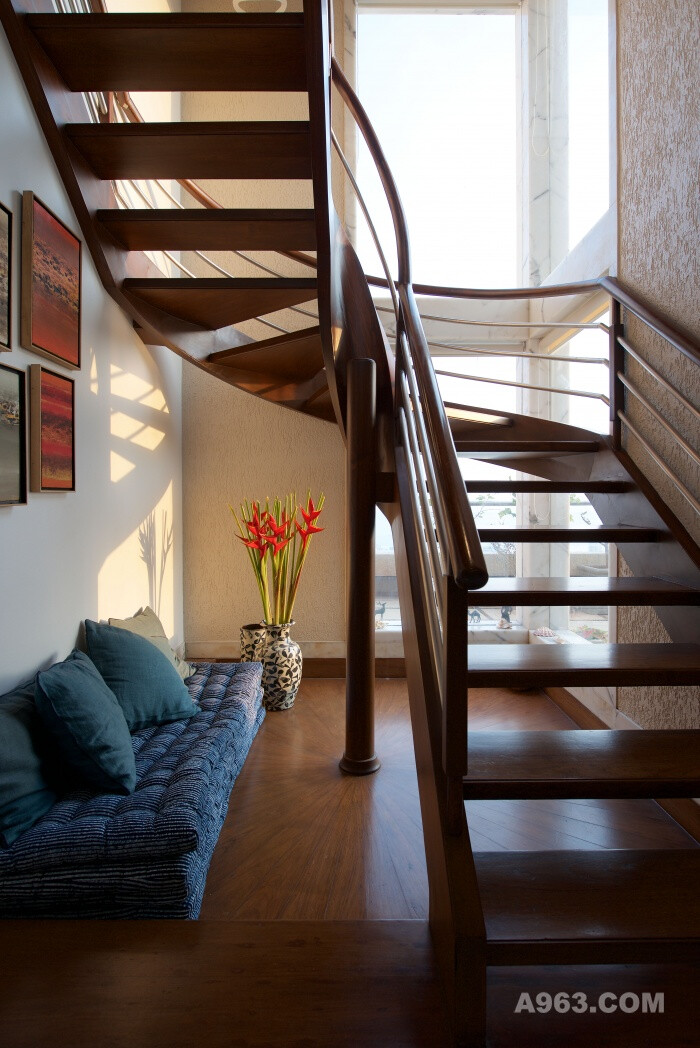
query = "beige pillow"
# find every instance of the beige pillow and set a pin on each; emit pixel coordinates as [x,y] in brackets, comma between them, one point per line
[147,624]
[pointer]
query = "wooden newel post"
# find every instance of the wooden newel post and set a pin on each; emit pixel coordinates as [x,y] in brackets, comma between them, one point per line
[359,757]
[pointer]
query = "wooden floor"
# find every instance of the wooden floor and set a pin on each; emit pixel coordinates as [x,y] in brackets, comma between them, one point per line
[305,842]
[294,948]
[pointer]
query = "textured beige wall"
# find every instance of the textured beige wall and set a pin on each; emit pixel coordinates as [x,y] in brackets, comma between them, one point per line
[658,224]
[236,446]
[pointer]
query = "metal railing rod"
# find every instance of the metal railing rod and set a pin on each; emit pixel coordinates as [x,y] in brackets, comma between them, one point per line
[681,441]
[688,495]
[525,356]
[370,223]
[526,385]
[659,378]
[509,323]
[408,378]
[428,583]
[426,514]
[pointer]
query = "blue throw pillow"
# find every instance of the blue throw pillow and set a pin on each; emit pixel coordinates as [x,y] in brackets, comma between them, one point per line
[86,722]
[148,687]
[24,793]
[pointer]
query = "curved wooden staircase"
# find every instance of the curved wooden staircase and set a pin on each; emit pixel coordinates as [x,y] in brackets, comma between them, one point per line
[536,908]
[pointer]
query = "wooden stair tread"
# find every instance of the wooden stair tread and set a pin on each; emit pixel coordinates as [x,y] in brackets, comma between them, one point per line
[494,447]
[547,487]
[584,590]
[590,906]
[298,354]
[197,229]
[583,665]
[582,764]
[217,302]
[549,533]
[201,149]
[175,52]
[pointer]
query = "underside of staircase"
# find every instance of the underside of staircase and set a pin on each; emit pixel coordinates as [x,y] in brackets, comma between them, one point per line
[532,908]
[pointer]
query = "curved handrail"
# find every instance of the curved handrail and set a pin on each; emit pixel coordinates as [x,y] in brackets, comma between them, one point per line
[463,544]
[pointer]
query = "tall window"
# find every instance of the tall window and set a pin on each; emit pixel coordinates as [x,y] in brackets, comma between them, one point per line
[440,89]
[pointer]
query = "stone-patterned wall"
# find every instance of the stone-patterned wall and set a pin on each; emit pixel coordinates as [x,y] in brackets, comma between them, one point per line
[659,219]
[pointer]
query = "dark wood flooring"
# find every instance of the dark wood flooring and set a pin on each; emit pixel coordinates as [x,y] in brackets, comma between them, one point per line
[313,931]
[305,842]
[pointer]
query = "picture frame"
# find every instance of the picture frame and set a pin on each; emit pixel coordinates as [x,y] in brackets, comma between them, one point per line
[5,278]
[13,437]
[51,276]
[51,430]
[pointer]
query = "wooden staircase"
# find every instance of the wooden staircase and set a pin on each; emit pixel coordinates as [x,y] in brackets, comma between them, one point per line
[486,909]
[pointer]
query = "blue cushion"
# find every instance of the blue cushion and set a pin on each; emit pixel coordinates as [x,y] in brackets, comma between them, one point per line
[147,686]
[24,793]
[87,723]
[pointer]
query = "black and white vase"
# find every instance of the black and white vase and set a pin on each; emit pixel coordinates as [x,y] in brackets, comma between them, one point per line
[253,640]
[282,663]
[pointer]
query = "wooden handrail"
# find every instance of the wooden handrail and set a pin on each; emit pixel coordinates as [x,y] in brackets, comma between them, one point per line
[387,179]
[684,343]
[464,547]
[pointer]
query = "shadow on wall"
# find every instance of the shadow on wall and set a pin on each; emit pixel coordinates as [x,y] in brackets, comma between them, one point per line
[143,463]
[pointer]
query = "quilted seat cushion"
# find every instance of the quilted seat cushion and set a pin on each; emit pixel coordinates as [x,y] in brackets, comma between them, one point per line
[185,770]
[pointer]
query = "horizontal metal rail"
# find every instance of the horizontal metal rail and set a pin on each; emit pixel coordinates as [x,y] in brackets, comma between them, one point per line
[484,352]
[526,385]
[671,430]
[510,323]
[666,469]
[659,378]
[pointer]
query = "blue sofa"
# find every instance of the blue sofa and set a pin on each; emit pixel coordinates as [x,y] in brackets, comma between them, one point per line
[145,855]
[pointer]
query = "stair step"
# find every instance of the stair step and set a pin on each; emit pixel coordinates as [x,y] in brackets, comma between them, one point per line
[583,907]
[175,52]
[547,487]
[203,149]
[582,764]
[547,533]
[197,229]
[581,665]
[321,406]
[220,301]
[584,591]
[297,355]
[494,447]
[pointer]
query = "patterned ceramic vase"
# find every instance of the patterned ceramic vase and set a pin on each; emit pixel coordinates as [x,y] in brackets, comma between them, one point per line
[281,668]
[253,639]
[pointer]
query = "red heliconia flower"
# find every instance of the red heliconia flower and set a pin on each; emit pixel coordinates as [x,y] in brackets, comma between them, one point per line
[310,513]
[278,529]
[252,543]
[307,532]
[277,544]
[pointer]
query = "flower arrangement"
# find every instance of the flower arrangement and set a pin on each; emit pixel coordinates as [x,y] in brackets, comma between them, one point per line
[278,542]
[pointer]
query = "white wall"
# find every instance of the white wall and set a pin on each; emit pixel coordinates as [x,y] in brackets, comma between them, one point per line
[70,555]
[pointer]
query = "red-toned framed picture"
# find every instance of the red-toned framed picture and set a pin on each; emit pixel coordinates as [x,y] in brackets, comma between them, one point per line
[50,315]
[13,436]
[51,430]
[5,276]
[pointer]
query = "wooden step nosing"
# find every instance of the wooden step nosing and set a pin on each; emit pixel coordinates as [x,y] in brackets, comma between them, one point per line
[476,789]
[269,343]
[197,129]
[527,953]
[183,20]
[196,284]
[613,592]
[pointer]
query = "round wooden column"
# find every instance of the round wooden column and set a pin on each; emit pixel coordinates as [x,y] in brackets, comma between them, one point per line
[359,757]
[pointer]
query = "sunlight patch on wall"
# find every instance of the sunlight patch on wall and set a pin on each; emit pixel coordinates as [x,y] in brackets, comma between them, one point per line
[119,467]
[94,381]
[140,570]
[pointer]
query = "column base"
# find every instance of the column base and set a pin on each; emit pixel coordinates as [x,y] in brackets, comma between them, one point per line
[364,767]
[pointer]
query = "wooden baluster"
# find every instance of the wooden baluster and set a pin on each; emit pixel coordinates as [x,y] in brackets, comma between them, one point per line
[359,757]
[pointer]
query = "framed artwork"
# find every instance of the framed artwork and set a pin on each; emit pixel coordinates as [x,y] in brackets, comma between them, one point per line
[5,276]
[50,316]
[13,436]
[51,430]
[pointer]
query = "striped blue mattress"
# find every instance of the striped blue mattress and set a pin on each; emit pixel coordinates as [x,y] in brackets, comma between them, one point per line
[145,855]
